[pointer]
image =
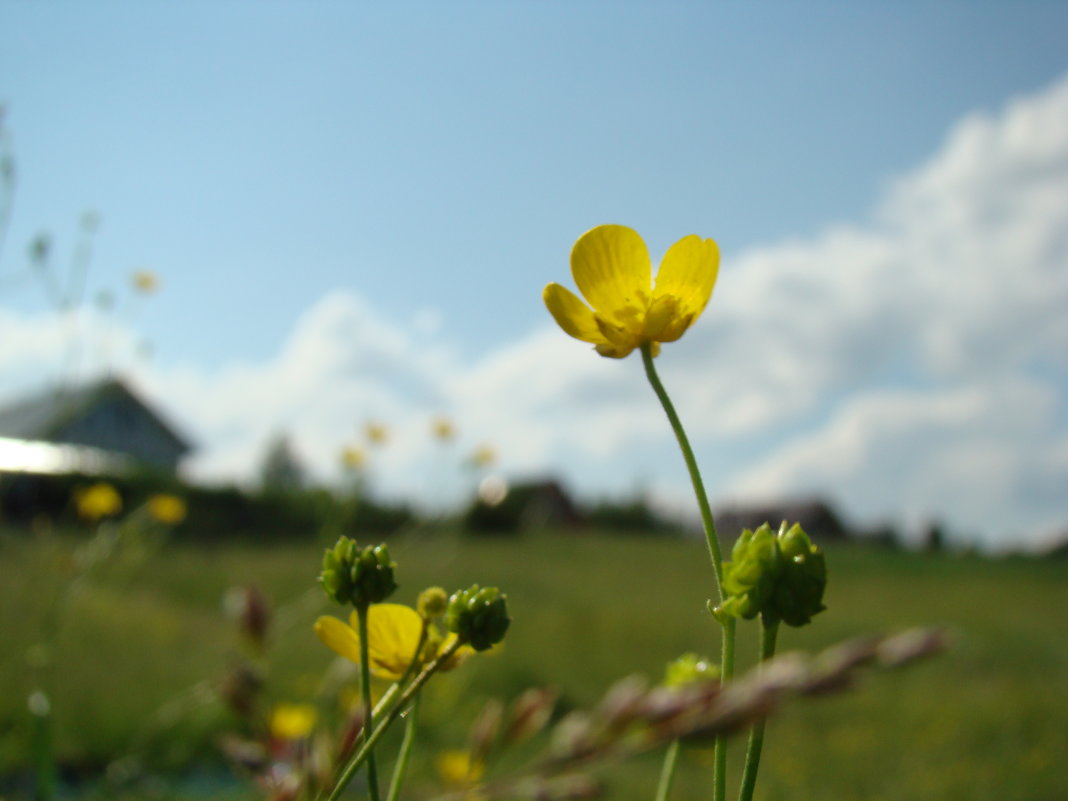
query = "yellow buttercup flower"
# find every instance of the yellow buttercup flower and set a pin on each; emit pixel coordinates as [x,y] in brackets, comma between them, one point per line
[377,433]
[443,428]
[457,768]
[611,267]
[392,639]
[166,508]
[292,721]
[98,501]
[483,456]
[145,281]
[353,458]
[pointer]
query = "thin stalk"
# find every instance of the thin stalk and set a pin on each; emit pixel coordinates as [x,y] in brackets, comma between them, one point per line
[394,712]
[401,768]
[365,687]
[719,773]
[756,735]
[667,772]
[708,523]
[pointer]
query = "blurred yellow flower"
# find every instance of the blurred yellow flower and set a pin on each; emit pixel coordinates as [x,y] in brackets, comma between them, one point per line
[457,769]
[483,456]
[611,267]
[292,721]
[97,501]
[377,433]
[145,281]
[353,458]
[393,632]
[166,508]
[443,428]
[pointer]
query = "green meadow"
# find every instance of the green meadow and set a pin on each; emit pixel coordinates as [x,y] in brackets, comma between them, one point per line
[136,652]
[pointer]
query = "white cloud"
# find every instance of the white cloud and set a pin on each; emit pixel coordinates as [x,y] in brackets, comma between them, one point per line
[977,453]
[915,363]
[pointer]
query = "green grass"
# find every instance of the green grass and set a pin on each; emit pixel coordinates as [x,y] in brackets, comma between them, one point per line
[138,648]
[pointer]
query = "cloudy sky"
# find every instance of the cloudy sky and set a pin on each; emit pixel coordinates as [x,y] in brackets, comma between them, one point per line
[352,210]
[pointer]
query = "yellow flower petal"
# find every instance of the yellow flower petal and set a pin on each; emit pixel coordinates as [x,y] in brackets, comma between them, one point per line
[571,314]
[688,273]
[340,638]
[392,638]
[610,264]
[662,313]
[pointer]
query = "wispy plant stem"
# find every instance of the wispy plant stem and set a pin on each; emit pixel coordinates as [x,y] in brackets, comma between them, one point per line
[401,768]
[394,712]
[708,523]
[756,734]
[368,709]
[667,772]
[712,540]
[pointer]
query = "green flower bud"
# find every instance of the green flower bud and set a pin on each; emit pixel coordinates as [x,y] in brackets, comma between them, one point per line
[432,603]
[800,591]
[478,616]
[360,576]
[780,577]
[688,669]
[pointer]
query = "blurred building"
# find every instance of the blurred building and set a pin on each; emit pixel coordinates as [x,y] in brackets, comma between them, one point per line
[99,427]
[816,517]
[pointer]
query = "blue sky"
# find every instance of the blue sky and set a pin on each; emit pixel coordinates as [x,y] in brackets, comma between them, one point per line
[353,208]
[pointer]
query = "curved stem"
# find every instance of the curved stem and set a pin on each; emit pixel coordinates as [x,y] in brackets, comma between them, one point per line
[756,735]
[368,709]
[708,523]
[401,768]
[369,743]
[667,772]
[719,774]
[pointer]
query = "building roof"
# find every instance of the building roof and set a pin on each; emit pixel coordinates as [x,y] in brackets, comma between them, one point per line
[42,417]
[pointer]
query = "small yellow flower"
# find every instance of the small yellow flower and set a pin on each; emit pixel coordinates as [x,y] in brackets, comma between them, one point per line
[292,721]
[611,267]
[353,458]
[377,433]
[145,281]
[483,456]
[392,639]
[167,509]
[98,501]
[457,769]
[443,429]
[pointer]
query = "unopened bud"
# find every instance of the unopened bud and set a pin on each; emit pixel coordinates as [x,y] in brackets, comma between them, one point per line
[688,669]
[478,616]
[360,576]
[781,577]
[432,603]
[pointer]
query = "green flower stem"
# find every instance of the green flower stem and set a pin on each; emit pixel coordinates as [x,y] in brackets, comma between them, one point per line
[726,673]
[719,774]
[756,735]
[369,743]
[707,521]
[667,772]
[405,753]
[365,687]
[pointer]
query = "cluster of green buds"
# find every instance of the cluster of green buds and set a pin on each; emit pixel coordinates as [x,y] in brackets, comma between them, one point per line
[432,603]
[357,576]
[689,669]
[478,616]
[781,577]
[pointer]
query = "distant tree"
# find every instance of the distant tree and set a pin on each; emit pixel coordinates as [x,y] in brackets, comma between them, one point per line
[934,537]
[282,470]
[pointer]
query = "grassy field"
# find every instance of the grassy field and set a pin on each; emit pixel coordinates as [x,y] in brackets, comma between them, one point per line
[136,651]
